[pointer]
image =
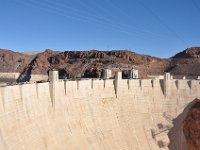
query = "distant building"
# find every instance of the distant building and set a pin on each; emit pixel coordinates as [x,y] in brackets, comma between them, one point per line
[133,74]
[107,73]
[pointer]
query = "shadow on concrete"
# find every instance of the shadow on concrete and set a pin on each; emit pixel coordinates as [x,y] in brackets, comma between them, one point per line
[177,139]
[162,85]
[25,76]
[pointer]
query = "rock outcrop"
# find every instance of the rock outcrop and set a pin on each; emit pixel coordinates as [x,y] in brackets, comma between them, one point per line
[90,63]
[13,61]
[193,52]
[186,62]
[191,127]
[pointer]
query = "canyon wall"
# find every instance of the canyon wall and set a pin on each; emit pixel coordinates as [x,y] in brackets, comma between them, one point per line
[96,114]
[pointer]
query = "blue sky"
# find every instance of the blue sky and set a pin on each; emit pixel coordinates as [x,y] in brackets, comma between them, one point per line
[156,27]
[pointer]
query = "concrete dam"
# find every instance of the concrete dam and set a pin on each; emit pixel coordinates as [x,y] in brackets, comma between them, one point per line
[112,114]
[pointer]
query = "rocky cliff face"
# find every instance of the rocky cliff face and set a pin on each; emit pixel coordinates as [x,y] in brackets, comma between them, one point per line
[191,127]
[193,52]
[186,62]
[90,63]
[12,61]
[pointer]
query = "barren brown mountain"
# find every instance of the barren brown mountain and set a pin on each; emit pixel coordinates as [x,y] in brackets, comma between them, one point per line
[89,63]
[13,61]
[186,62]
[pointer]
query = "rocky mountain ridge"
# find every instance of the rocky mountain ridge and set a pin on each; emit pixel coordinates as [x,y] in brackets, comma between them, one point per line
[11,61]
[90,63]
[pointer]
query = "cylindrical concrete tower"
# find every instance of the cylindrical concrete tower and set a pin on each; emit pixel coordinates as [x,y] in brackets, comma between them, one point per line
[53,76]
[107,73]
[133,74]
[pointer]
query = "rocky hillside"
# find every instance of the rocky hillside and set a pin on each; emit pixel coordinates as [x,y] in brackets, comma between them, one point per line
[193,52]
[12,61]
[186,62]
[90,63]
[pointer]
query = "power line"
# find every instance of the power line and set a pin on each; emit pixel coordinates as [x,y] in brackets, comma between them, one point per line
[163,23]
[108,20]
[119,8]
[69,12]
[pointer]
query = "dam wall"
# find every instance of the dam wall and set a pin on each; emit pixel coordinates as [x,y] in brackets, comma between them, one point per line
[9,77]
[38,77]
[12,77]
[138,114]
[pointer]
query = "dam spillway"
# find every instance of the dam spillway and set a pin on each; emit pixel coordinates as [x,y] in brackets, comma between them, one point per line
[119,114]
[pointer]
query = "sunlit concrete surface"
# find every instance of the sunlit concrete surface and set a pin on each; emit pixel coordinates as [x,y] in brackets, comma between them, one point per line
[96,114]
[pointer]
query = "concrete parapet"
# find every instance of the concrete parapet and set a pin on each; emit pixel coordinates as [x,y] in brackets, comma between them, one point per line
[97,84]
[29,90]
[108,83]
[134,83]
[182,84]
[38,77]
[146,83]
[194,83]
[157,77]
[88,113]
[84,84]
[156,83]
[42,89]
[70,86]
[55,86]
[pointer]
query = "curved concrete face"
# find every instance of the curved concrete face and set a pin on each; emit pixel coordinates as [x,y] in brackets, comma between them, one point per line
[95,114]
